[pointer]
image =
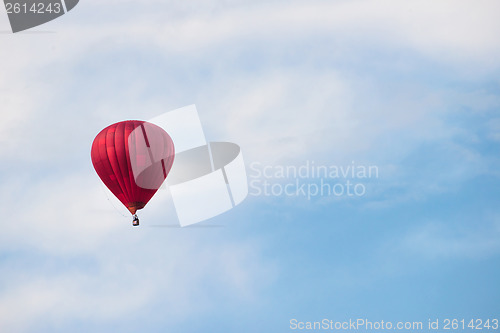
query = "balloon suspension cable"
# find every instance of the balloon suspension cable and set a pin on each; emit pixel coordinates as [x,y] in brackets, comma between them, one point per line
[135,221]
[103,188]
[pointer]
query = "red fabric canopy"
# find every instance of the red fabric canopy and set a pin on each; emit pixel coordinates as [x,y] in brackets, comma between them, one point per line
[133,158]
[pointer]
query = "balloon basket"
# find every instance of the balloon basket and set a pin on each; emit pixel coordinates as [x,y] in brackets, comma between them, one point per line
[135,221]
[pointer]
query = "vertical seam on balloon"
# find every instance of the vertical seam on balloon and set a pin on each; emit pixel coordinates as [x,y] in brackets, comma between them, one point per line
[144,193]
[104,158]
[151,157]
[118,174]
[152,177]
[130,128]
[124,170]
[160,141]
[145,136]
[163,167]
[103,154]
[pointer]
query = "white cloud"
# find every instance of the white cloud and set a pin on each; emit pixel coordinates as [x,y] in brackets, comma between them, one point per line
[452,32]
[324,97]
[74,258]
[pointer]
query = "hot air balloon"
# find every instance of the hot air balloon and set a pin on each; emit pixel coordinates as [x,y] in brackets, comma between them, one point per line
[133,158]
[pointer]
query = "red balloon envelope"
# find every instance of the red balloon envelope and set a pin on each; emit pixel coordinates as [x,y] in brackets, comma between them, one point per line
[133,158]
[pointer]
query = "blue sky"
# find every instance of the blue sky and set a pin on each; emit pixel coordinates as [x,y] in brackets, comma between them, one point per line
[411,87]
